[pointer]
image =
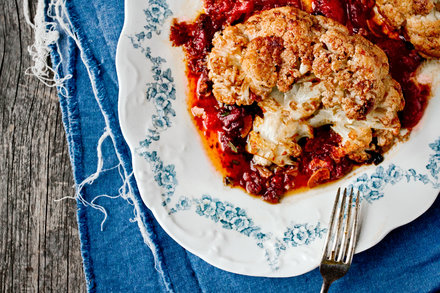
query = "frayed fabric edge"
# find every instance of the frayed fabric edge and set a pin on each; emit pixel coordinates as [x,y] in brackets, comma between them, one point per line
[46,34]
[51,16]
[70,116]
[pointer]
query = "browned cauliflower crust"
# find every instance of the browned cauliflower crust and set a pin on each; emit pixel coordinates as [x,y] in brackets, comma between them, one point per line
[305,71]
[280,46]
[420,20]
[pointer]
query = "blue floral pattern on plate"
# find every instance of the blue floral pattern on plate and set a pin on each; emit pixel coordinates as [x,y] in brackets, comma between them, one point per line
[161,92]
[372,186]
[229,216]
[156,13]
[164,175]
[235,218]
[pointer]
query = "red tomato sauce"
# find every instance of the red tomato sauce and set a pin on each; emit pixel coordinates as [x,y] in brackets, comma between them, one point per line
[224,127]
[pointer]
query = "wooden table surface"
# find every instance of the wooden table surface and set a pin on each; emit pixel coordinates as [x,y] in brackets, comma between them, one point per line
[39,244]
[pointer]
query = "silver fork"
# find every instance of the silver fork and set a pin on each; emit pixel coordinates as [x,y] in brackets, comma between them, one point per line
[340,244]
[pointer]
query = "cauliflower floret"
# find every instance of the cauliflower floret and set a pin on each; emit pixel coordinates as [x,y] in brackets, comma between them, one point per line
[225,62]
[301,101]
[357,135]
[275,137]
[420,19]
[260,62]
[282,46]
[304,72]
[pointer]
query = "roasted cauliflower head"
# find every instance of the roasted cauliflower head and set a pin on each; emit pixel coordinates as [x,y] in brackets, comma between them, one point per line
[305,71]
[420,20]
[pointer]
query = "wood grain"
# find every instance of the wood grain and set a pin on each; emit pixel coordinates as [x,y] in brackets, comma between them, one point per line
[39,245]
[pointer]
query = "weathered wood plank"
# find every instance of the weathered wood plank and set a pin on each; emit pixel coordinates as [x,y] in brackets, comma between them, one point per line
[39,246]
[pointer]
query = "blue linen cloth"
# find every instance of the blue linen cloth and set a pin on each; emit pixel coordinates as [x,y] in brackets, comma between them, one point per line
[120,258]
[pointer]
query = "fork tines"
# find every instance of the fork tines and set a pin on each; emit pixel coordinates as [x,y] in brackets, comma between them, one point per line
[340,244]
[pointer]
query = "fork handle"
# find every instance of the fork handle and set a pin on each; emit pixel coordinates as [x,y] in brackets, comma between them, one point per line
[325,286]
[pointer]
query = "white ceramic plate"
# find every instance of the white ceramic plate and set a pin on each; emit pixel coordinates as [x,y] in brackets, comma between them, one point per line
[226,227]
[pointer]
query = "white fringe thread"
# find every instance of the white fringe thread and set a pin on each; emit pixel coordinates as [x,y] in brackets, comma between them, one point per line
[46,34]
